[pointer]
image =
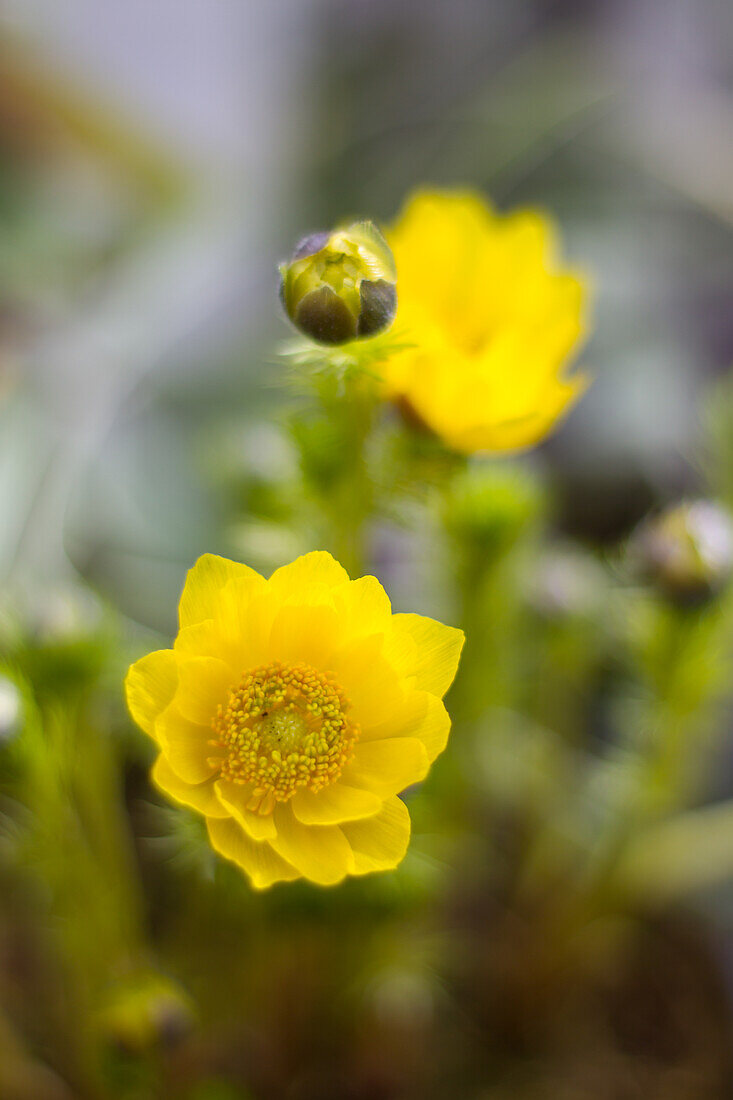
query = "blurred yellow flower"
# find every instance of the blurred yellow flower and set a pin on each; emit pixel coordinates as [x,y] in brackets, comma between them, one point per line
[491,321]
[292,711]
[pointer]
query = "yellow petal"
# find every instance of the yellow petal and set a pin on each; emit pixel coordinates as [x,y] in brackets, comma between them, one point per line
[207,639]
[234,797]
[379,843]
[433,728]
[401,720]
[245,619]
[420,715]
[528,242]
[436,654]
[200,796]
[149,686]
[371,683]
[334,804]
[318,567]
[363,606]
[304,633]
[187,745]
[514,435]
[204,583]
[387,767]
[256,858]
[319,852]
[436,243]
[204,683]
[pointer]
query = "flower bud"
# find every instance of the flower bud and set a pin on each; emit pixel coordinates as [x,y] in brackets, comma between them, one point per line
[339,286]
[143,1011]
[687,551]
[491,504]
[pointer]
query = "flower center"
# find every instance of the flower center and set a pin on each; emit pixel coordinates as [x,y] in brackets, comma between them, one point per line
[282,728]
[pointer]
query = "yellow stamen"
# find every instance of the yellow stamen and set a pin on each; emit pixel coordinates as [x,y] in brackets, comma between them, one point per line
[283,728]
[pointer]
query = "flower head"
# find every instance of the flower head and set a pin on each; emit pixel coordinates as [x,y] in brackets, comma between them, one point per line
[292,711]
[491,320]
[341,285]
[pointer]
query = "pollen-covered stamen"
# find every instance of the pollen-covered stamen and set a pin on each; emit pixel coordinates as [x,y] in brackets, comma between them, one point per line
[284,727]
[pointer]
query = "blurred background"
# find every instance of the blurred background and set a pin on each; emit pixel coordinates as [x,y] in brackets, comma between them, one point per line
[156,161]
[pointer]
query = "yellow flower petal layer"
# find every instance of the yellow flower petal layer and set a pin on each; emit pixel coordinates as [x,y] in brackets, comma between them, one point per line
[388,766]
[261,863]
[200,796]
[334,804]
[186,745]
[379,843]
[363,607]
[234,797]
[299,576]
[204,585]
[149,686]
[435,652]
[203,684]
[320,852]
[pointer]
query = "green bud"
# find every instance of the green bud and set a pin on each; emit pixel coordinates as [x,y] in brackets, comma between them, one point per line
[687,551]
[142,1011]
[340,286]
[491,504]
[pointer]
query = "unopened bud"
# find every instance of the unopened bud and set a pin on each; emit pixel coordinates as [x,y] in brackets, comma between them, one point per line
[144,1011]
[687,551]
[340,286]
[491,504]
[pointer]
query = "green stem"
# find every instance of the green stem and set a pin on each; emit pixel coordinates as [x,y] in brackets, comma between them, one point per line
[352,505]
[677,712]
[333,440]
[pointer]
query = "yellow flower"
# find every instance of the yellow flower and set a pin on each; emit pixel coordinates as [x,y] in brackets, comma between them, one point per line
[292,711]
[491,321]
